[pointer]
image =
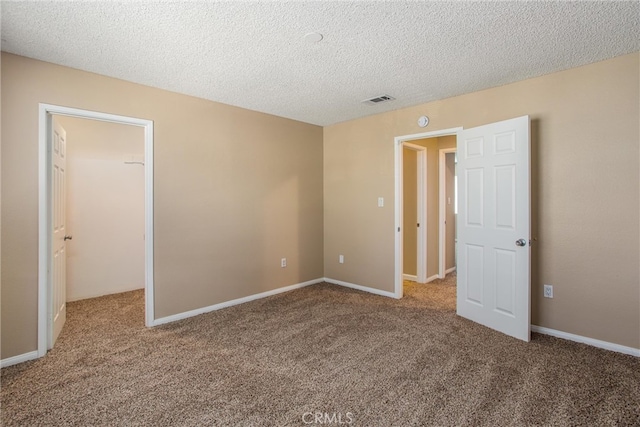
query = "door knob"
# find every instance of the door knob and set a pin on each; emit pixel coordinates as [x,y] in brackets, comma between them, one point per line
[521,242]
[68,237]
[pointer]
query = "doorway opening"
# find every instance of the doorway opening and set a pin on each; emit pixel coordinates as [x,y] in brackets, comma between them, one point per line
[51,188]
[431,209]
[493,228]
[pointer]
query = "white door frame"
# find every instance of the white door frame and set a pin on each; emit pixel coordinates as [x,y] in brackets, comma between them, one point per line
[45,211]
[398,143]
[442,208]
[421,215]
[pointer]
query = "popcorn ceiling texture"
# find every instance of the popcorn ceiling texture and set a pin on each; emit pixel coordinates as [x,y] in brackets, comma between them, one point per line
[253,55]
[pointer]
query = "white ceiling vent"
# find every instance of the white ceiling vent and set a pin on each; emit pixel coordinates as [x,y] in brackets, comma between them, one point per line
[378,100]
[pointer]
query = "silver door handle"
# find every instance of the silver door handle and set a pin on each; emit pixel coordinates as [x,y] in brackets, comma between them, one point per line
[521,242]
[68,237]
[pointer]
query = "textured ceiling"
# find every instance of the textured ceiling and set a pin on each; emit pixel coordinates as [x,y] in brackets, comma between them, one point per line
[253,54]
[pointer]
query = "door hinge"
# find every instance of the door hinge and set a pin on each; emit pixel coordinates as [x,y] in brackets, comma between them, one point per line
[418,224]
[398,229]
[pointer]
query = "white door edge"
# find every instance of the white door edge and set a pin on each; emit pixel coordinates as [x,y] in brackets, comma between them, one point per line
[398,142]
[44,211]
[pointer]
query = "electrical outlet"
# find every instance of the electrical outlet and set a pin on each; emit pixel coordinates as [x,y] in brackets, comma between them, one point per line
[283,262]
[341,259]
[548,291]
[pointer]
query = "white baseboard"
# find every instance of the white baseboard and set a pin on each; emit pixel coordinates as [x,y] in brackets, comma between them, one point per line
[451,270]
[586,340]
[415,278]
[432,278]
[103,293]
[361,288]
[231,303]
[18,359]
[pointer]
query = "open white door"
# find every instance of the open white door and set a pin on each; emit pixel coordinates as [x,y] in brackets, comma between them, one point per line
[59,229]
[494,226]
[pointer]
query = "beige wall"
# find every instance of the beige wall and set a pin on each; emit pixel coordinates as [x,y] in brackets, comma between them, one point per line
[235,191]
[450,213]
[410,211]
[105,208]
[585,186]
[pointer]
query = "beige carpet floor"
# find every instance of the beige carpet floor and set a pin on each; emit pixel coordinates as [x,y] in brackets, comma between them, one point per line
[352,357]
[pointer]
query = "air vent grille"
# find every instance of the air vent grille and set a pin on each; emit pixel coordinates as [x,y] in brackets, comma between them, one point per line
[378,99]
